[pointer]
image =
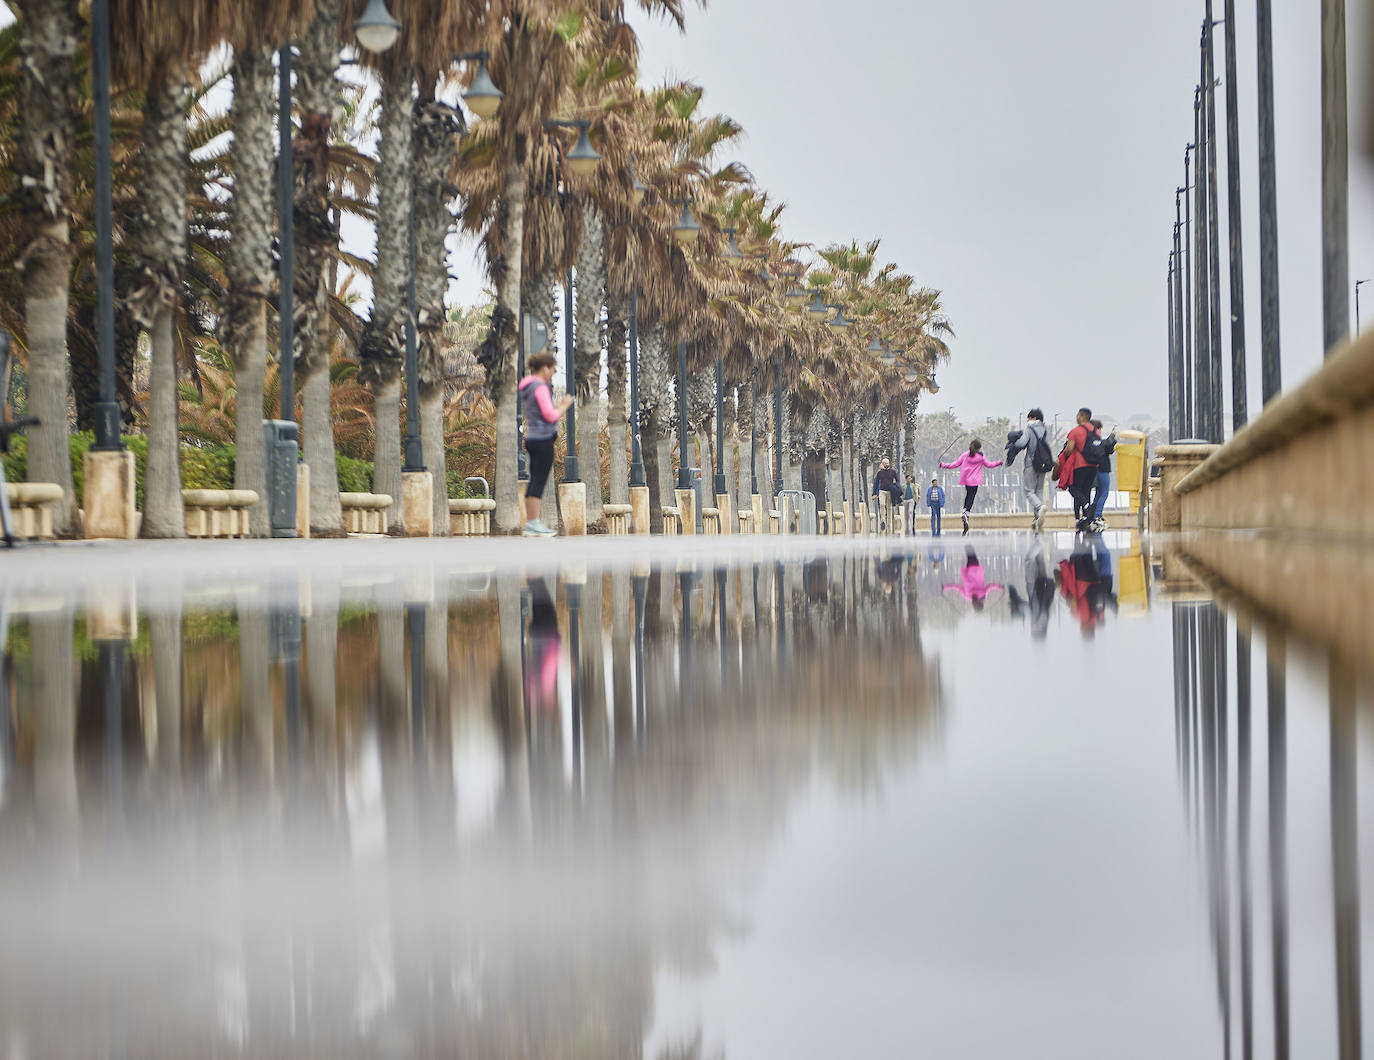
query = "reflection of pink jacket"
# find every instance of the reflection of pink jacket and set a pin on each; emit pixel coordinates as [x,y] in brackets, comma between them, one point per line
[971,468]
[971,585]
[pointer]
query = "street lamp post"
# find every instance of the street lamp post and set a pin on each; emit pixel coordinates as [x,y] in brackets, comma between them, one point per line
[414,452]
[686,231]
[637,452]
[107,409]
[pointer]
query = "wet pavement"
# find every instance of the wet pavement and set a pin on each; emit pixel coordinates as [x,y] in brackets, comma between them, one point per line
[980,797]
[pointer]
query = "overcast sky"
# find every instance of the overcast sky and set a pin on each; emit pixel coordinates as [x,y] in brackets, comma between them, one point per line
[1022,157]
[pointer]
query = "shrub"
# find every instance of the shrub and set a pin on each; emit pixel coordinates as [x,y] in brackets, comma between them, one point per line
[355,476]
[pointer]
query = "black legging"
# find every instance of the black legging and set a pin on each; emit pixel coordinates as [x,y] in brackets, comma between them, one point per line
[541,463]
[969,493]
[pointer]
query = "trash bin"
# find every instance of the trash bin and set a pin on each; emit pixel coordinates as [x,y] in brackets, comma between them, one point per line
[283,454]
[1130,465]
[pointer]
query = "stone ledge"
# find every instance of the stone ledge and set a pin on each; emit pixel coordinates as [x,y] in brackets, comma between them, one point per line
[1343,385]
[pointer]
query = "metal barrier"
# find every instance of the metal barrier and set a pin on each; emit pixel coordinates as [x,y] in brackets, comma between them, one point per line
[804,504]
[486,489]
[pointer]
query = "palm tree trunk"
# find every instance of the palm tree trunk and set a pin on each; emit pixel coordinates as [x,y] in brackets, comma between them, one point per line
[744,482]
[381,350]
[793,444]
[162,252]
[435,142]
[499,350]
[317,240]
[49,32]
[591,299]
[249,268]
[617,419]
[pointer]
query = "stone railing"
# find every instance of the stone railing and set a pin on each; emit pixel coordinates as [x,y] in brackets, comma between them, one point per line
[470,516]
[746,521]
[617,519]
[672,521]
[365,513]
[1302,464]
[217,513]
[31,505]
[710,521]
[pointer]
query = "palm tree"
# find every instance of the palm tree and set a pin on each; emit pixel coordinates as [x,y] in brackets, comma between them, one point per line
[48,92]
[248,266]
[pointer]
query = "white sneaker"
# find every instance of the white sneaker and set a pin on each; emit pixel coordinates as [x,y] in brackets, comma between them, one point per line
[536,528]
[1038,522]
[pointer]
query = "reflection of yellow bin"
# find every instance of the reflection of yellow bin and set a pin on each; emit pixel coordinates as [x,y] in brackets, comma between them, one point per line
[1132,582]
[1130,465]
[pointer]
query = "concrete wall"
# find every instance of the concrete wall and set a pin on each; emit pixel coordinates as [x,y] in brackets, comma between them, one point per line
[1306,463]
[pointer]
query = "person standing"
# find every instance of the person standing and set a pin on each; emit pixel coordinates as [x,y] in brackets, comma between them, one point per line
[1034,442]
[935,501]
[971,466]
[541,428]
[1105,447]
[909,506]
[887,481]
[1073,470]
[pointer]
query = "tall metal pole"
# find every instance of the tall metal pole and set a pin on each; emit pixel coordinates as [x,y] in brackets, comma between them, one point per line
[1189,381]
[1173,352]
[637,453]
[107,408]
[1214,379]
[1180,246]
[1202,401]
[414,451]
[1271,374]
[1335,180]
[684,474]
[720,426]
[1239,395]
[570,469]
[286,276]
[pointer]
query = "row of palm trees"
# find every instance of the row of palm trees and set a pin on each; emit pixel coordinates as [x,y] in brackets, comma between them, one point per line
[662,221]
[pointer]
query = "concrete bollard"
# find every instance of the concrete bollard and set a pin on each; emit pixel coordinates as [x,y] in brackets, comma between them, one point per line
[303,500]
[572,500]
[1176,461]
[639,509]
[109,495]
[756,503]
[726,506]
[417,503]
[687,506]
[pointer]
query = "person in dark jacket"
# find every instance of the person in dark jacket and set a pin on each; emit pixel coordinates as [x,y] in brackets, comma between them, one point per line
[935,501]
[887,479]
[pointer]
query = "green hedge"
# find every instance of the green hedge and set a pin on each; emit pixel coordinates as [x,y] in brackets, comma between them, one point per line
[203,468]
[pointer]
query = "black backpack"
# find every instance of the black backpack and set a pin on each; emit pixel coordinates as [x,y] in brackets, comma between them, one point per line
[1098,452]
[1041,459]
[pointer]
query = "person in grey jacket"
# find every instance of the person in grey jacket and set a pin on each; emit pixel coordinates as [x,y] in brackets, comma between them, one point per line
[1032,481]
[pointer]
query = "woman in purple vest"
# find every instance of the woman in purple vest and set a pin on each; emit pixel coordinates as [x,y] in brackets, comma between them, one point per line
[541,428]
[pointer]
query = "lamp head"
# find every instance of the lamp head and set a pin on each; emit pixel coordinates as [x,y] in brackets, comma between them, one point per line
[839,321]
[483,97]
[818,310]
[795,296]
[376,30]
[582,159]
[875,347]
[637,188]
[686,230]
[732,254]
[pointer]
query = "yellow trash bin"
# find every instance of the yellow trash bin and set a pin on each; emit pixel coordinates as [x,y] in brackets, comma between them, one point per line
[1130,465]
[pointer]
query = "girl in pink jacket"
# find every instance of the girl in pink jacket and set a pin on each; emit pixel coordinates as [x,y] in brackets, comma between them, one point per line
[971,465]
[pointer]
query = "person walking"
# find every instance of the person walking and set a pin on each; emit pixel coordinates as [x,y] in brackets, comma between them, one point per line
[909,506]
[541,428]
[887,481]
[1104,450]
[971,466]
[935,501]
[1074,472]
[1034,442]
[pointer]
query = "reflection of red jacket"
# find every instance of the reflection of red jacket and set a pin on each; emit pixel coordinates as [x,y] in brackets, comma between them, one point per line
[1075,590]
[1068,465]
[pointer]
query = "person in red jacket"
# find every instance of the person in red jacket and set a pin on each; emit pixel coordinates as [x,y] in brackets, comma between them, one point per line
[1074,472]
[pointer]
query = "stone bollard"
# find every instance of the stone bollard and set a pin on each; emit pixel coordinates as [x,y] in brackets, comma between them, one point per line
[108,511]
[639,509]
[756,503]
[784,516]
[687,507]
[417,503]
[303,500]
[1176,461]
[726,506]
[572,500]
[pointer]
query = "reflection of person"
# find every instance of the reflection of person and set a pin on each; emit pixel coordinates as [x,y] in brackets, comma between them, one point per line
[971,466]
[972,584]
[936,556]
[541,428]
[935,501]
[1085,579]
[541,663]
[1039,598]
